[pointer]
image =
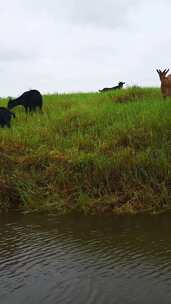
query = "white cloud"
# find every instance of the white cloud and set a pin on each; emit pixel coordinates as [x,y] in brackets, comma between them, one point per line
[73,45]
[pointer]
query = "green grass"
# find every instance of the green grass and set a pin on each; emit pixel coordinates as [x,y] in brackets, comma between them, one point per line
[92,153]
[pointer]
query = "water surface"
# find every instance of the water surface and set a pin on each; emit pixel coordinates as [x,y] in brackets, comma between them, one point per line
[82,260]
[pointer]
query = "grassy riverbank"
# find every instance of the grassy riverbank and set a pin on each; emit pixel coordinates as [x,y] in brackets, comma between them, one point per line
[89,152]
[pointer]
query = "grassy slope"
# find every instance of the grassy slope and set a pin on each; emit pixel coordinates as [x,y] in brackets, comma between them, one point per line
[89,152]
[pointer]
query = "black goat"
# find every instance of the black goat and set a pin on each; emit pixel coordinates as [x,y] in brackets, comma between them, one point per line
[5,117]
[119,86]
[30,100]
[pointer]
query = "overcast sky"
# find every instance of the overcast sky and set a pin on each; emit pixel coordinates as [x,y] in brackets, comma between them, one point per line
[76,45]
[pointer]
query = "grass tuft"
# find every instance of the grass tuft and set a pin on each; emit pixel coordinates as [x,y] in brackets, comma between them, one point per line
[94,153]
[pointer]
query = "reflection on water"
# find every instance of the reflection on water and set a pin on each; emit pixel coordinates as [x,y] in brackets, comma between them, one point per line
[50,259]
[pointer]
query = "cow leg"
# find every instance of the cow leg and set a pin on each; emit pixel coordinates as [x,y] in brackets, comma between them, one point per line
[30,109]
[9,124]
[26,109]
[40,109]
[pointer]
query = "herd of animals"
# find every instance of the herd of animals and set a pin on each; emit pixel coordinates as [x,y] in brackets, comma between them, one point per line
[33,100]
[30,100]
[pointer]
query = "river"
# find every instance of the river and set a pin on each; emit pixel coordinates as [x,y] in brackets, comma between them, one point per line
[51,259]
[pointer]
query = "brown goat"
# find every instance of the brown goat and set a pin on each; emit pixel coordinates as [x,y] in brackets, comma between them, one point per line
[165,82]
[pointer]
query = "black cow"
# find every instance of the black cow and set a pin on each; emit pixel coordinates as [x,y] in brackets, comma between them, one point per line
[30,100]
[5,117]
[119,86]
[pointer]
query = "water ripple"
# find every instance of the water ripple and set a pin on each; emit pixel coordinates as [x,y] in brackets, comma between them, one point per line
[60,260]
